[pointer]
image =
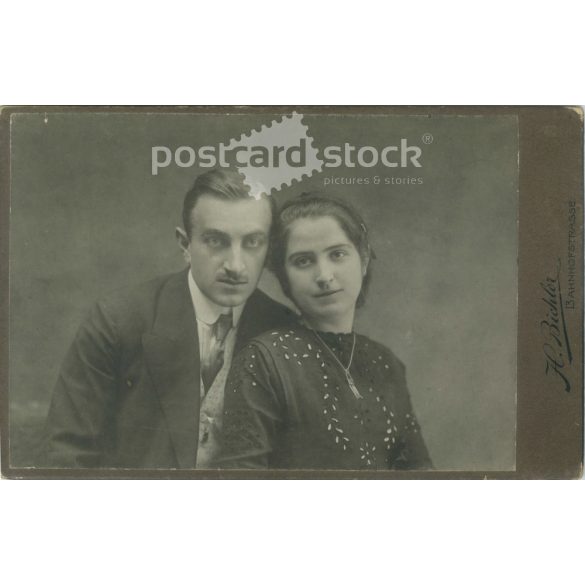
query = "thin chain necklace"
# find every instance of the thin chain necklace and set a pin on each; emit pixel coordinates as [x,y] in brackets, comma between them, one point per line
[348,376]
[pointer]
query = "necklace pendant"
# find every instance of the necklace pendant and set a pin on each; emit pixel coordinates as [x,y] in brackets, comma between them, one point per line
[352,385]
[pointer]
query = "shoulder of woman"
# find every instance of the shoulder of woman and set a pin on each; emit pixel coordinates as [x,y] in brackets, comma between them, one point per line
[384,355]
[273,339]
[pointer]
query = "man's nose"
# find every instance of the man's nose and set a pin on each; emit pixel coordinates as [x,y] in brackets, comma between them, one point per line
[234,261]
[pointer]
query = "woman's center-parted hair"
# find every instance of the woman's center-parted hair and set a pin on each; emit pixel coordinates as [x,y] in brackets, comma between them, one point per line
[314,205]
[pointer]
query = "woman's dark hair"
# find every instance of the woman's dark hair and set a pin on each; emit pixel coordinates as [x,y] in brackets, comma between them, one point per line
[314,205]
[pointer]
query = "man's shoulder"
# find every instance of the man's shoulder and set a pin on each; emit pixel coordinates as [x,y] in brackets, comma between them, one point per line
[261,299]
[136,304]
[266,313]
[145,291]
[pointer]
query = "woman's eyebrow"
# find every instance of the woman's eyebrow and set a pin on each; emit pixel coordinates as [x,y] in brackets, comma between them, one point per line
[337,246]
[328,249]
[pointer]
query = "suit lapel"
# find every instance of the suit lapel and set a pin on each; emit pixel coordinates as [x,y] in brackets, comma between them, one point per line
[172,356]
[260,314]
[250,322]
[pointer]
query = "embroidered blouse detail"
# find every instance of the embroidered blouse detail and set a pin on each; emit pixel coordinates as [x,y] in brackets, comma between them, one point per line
[289,405]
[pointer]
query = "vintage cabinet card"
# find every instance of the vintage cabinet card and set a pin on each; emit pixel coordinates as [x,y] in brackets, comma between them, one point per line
[228,292]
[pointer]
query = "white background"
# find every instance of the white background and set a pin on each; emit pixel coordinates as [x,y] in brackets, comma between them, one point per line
[295,53]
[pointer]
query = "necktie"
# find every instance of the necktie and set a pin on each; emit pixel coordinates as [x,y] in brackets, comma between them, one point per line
[214,361]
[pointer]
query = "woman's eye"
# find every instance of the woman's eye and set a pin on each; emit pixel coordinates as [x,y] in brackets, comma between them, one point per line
[302,262]
[338,254]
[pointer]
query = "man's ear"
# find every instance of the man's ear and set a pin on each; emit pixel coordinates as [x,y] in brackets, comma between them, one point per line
[183,241]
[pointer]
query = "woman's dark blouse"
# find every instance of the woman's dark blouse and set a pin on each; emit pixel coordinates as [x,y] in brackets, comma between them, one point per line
[288,406]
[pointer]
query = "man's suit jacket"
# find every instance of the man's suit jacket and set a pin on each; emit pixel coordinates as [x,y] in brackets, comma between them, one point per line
[128,392]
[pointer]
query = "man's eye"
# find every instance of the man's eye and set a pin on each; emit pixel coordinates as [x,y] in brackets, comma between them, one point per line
[214,242]
[254,241]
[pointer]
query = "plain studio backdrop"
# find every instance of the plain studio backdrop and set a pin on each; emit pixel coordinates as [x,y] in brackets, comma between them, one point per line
[88,217]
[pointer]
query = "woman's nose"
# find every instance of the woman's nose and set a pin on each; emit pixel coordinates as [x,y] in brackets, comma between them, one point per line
[324,275]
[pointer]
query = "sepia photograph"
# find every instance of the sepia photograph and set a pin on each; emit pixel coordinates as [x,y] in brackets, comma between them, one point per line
[298,332]
[272,290]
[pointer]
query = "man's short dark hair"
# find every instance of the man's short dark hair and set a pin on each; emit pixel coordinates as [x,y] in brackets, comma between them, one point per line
[226,184]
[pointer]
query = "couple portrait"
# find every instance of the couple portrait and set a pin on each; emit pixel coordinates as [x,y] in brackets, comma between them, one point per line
[200,369]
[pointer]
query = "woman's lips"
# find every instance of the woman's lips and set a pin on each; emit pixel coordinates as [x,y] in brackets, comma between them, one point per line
[328,293]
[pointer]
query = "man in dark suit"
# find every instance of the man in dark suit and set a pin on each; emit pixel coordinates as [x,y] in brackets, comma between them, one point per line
[142,385]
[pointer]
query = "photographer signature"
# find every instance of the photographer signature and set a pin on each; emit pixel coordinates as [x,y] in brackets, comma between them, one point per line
[556,347]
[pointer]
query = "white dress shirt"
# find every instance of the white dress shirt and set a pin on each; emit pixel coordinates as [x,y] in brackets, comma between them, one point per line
[210,416]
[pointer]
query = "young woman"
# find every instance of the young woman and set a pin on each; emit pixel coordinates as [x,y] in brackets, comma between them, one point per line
[318,395]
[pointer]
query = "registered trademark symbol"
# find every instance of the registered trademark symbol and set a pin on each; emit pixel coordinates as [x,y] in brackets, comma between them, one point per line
[427,138]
